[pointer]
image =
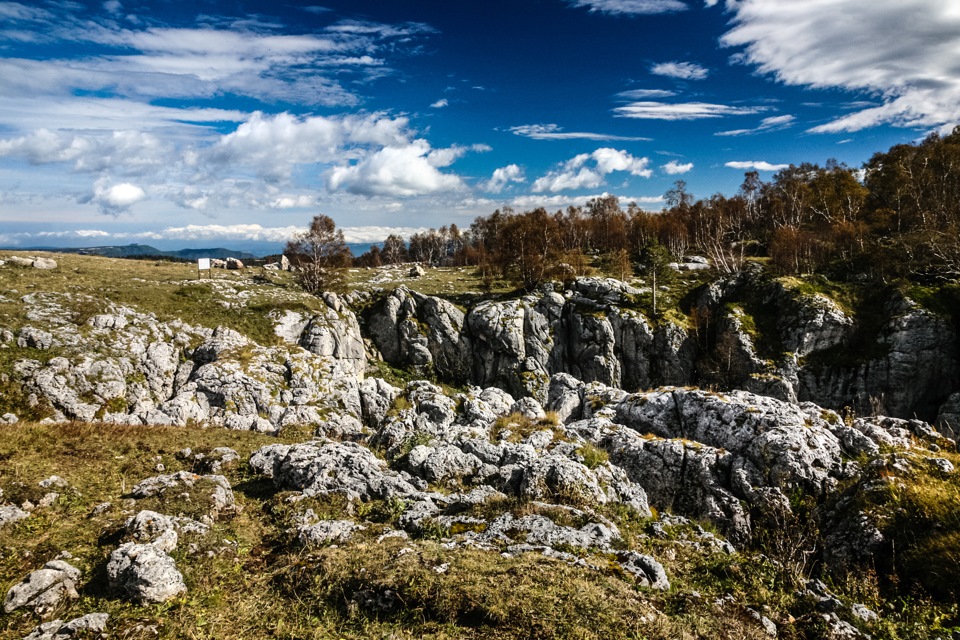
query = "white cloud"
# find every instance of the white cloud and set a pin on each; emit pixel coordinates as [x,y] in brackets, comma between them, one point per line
[112,6]
[294,202]
[903,51]
[129,152]
[440,104]
[502,177]
[116,198]
[681,70]
[363,235]
[534,201]
[774,123]
[274,145]
[710,3]
[397,171]
[674,168]
[758,166]
[682,111]
[645,94]
[631,7]
[258,233]
[556,132]
[588,170]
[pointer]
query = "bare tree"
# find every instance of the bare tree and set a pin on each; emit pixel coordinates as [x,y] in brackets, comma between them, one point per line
[320,254]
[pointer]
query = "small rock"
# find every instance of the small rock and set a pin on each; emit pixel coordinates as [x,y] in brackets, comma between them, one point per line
[53,481]
[327,531]
[10,514]
[90,625]
[10,418]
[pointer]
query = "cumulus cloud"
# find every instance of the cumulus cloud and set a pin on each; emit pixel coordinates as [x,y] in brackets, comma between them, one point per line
[502,177]
[682,111]
[774,123]
[397,171]
[116,198]
[755,165]
[440,104]
[901,50]
[588,170]
[274,145]
[556,132]
[680,70]
[674,168]
[630,7]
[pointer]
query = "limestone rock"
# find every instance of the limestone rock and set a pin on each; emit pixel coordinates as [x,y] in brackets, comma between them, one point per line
[44,589]
[144,573]
[337,467]
[44,263]
[327,532]
[10,514]
[91,625]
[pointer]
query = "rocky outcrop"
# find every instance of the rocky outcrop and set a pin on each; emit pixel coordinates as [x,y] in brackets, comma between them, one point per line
[910,367]
[422,332]
[517,345]
[127,367]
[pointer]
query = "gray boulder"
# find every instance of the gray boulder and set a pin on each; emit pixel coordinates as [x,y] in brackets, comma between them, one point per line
[44,263]
[336,467]
[648,572]
[376,398]
[335,333]
[44,589]
[144,573]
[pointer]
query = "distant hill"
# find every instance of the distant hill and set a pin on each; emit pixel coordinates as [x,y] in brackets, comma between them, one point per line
[145,250]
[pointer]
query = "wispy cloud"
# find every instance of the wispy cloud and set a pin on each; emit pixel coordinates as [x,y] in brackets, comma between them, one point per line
[589,170]
[847,44]
[631,7]
[440,104]
[682,110]
[556,132]
[645,94]
[758,166]
[774,123]
[680,70]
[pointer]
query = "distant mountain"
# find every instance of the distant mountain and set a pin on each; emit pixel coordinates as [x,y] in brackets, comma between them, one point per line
[145,250]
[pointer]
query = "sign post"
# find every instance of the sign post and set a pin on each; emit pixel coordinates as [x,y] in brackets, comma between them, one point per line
[202,263]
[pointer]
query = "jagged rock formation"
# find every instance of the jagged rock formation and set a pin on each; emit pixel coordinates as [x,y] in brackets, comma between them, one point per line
[900,359]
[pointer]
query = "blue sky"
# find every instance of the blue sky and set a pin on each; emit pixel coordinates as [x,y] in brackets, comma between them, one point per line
[233,123]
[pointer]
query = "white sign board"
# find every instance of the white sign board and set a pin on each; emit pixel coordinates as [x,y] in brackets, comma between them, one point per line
[203,263]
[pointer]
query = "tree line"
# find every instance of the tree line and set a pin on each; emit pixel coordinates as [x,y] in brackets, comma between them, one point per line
[897,216]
